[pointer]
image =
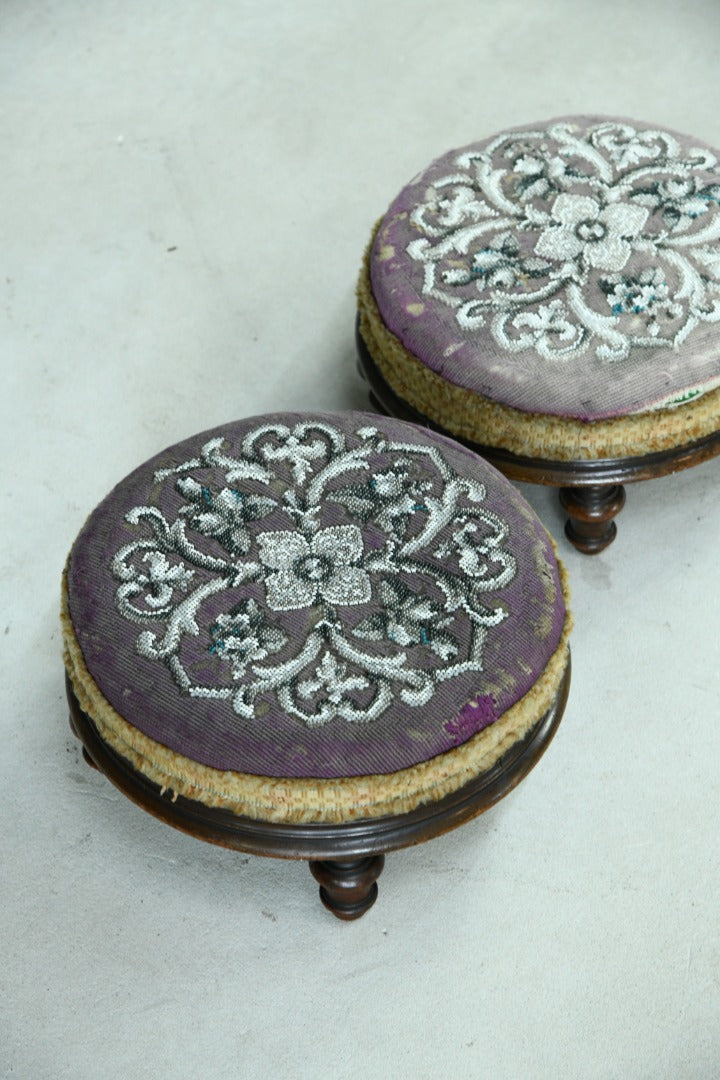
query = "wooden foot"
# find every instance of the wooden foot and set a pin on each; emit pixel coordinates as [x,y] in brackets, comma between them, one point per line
[348,889]
[590,527]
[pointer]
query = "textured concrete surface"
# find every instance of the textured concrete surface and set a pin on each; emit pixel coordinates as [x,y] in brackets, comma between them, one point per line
[185,194]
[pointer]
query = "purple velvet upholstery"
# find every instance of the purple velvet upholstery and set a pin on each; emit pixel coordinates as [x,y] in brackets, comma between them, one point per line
[320,595]
[569,267]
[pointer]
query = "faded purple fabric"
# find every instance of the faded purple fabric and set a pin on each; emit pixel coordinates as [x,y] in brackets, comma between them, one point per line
[472,718]
[569,267]
[317,595]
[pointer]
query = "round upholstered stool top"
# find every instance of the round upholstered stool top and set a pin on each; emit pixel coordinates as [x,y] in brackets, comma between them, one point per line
[314,617]
[554,290]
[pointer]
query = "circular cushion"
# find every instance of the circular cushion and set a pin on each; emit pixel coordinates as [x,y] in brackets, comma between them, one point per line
[314,617]
[555,289]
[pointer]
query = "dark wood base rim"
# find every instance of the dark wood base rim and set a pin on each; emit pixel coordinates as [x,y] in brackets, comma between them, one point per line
[317,841]
[554,473]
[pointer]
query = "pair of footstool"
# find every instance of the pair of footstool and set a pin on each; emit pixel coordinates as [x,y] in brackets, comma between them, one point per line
[328,636]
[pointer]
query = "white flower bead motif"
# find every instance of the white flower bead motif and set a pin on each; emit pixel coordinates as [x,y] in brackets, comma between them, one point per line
[582,226]
[320,567]
[241,636]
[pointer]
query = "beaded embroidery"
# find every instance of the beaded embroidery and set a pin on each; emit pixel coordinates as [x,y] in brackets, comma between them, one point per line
[566,239]
[317,525]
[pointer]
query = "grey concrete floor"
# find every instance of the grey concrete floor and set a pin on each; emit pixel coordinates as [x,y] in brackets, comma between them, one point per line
[185,193]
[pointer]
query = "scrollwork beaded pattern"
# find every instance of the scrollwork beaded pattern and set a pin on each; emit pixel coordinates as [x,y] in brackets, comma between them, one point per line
[336,574]
[569,240]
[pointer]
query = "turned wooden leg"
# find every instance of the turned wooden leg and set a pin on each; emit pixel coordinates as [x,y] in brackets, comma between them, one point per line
[348,889]
[590,527]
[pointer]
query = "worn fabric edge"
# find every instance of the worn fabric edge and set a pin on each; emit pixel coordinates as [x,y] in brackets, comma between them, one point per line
[304,801]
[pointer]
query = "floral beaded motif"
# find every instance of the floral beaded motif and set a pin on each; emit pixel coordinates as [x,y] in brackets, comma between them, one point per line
[335,572]
[567,239]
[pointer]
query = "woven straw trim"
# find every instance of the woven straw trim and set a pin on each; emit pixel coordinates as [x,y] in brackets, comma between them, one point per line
[481,420]
[301,801]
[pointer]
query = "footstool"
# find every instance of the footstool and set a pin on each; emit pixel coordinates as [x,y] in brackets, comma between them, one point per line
[551,296]
[315,636]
